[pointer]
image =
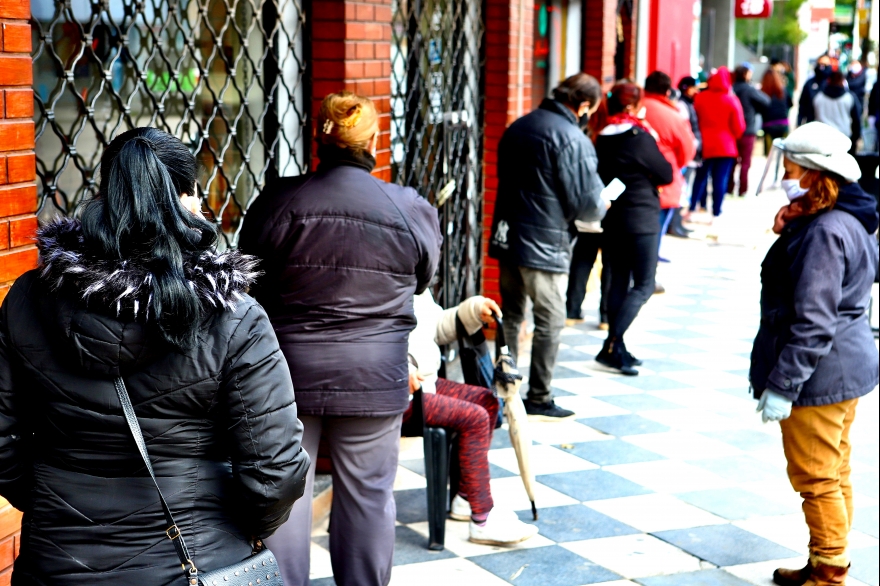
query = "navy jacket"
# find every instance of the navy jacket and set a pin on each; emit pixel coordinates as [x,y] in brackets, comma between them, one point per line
[632,155]
[343,254]
[753,102]
[547,179]
[815,344]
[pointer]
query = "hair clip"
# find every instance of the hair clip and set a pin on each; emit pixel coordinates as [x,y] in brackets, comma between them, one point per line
[328,126]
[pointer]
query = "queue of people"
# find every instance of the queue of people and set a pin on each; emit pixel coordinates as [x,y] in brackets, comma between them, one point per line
[212,345]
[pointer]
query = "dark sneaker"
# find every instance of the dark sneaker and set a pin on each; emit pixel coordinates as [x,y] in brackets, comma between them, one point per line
[615,362]
[628,357]
[547,411]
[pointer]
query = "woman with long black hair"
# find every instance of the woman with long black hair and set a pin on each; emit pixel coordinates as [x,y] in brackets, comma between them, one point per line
[629,153]
[136,290]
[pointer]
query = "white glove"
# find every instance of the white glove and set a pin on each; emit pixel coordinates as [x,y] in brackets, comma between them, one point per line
[774,407]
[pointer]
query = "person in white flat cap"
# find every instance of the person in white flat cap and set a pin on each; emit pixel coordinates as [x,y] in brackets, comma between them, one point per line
[814,354]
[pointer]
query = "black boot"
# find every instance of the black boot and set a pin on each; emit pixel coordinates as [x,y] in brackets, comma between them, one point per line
[628,358]
[612,358]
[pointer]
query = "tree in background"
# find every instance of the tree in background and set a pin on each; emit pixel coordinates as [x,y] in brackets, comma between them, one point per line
[781,29]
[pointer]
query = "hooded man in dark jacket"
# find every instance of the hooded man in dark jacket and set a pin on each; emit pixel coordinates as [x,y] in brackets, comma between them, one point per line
[813,86]
[547,179]
[839,108]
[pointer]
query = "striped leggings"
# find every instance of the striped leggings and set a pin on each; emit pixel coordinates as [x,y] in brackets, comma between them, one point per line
[471,411]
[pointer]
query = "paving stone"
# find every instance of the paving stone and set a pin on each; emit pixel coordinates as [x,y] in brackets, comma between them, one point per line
[640,402]
[575,523]
[725,545]
[544,566]
[865,565]
[614,451]
[702,578]
[590,485]
[412,548]
[622,425]
[734,503]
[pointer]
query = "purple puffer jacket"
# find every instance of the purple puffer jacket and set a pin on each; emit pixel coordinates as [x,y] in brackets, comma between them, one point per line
[343,254]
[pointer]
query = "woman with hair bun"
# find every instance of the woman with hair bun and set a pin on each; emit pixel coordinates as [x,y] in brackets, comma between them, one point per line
[136,290]
[629,153]
[344,254]
[814,355]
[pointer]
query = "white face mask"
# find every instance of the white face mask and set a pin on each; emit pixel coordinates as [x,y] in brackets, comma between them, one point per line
[793,189]
[642,113]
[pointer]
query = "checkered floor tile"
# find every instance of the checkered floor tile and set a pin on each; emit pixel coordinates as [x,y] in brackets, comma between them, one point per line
[665,479]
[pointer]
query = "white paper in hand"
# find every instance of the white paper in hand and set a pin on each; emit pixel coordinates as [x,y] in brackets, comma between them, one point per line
[613,190]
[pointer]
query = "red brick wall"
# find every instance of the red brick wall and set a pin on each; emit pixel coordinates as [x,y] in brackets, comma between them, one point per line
[600,35]
[18,192]
[351,49]
[506,100]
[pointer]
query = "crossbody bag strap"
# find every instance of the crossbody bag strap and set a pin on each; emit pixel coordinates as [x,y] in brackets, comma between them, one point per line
[173,532]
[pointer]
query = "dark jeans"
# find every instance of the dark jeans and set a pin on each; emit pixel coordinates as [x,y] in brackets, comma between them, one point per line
[666,215]
[631,258]
[745,146]
[364,453]
[720,168]
[547,292]
[583,257]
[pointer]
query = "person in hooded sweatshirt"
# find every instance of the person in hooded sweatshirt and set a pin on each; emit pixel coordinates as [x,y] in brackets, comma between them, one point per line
[814,355]
[813,86]
[136,290]
[628,152]
[839,108]
[721,125]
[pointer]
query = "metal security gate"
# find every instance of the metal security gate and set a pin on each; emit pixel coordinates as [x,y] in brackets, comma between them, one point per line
[436,126]
[225,76]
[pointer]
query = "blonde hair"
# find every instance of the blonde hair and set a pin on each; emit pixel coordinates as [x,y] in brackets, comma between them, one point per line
[347,120]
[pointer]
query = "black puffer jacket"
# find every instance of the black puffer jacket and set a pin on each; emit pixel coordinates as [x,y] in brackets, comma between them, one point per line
[547,179]
[814,345]
[343,254]
[220,421]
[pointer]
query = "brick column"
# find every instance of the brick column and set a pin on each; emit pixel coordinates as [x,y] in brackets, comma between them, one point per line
[351,49]
[600,34]
[18,192]
[508,96]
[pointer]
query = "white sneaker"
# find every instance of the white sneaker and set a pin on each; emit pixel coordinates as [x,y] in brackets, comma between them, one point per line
[501,528]
[460,509]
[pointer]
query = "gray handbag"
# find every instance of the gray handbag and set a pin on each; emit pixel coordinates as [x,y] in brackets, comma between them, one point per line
[259,569]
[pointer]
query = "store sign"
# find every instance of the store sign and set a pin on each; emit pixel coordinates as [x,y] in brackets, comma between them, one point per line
[754,8]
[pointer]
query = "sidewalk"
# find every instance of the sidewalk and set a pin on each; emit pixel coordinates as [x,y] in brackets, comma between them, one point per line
[665,479]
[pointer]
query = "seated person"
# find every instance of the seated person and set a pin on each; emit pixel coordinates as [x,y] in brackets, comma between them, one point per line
[469,410]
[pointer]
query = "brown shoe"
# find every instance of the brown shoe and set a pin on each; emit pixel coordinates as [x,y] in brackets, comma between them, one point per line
[825,575]
[789,577]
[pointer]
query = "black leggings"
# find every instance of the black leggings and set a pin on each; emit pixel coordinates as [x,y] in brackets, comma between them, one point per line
[583,257]
[632,258]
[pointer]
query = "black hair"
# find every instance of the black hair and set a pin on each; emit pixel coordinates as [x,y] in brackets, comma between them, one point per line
[686,83]
[741,73]
[577,89]
[658,83]
[137,214]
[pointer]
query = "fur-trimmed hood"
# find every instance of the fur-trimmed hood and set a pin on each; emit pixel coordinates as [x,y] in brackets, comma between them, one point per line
[100,307]
[219,279]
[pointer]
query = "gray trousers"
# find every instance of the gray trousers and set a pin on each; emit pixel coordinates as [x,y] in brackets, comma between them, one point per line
[547,292]
[364,453]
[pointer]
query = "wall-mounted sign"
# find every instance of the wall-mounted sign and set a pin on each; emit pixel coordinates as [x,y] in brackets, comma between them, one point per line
[753,8]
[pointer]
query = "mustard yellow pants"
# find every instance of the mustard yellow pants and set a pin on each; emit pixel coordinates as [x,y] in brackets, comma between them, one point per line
[817,448]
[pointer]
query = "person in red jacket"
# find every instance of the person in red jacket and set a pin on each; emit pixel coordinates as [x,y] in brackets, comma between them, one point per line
[674,138]
[721,124]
